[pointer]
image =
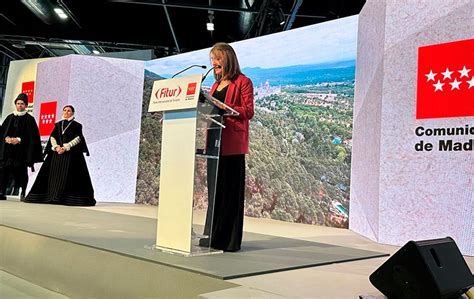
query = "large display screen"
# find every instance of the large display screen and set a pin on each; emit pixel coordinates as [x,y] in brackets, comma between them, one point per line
[298,168]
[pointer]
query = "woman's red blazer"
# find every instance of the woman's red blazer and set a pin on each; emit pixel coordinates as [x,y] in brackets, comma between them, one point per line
[239,96]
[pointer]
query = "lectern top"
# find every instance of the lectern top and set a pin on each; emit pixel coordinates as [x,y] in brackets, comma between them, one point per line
[175,94]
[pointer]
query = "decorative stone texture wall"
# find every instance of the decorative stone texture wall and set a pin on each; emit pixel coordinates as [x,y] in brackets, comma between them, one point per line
[107,95]
[399,194]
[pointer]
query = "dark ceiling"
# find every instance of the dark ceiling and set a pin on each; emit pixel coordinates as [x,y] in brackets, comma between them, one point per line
[31,29]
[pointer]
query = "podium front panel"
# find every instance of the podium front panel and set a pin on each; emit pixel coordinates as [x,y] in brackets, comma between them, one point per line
[176,181]
[190,153]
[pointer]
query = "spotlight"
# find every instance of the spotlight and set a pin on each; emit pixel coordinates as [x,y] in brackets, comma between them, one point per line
[60,13]
[210,26]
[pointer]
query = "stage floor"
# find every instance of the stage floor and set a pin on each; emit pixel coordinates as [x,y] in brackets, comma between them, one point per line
[133,235]
[277,248]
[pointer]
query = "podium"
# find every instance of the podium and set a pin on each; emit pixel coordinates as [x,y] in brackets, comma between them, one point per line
[190,148]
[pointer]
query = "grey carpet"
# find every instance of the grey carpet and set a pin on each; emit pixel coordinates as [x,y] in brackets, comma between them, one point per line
[132,235]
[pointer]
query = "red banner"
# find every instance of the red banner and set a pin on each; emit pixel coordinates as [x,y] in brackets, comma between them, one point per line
[47,117]
[29,89]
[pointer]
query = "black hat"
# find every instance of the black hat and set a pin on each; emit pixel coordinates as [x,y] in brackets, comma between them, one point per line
[23,97]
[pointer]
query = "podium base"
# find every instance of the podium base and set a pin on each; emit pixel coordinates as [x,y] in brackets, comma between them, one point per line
[195,250]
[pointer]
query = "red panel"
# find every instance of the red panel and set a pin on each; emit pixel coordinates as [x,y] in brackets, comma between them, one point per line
[445,86]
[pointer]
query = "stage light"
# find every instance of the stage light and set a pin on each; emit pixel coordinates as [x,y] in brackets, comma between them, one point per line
[210,26]
[95,52]
[60,13]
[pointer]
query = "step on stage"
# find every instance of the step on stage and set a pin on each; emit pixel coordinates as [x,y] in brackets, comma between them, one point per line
[83,252]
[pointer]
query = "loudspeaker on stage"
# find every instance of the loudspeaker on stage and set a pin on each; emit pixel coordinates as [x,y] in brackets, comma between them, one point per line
[424,269]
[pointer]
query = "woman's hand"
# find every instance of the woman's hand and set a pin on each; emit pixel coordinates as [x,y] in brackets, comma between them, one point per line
[60,150]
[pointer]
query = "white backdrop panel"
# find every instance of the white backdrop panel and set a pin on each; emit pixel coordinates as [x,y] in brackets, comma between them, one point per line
[107,94]
[418,195]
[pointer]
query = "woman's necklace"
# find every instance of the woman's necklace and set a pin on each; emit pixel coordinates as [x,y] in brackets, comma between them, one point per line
[64,129]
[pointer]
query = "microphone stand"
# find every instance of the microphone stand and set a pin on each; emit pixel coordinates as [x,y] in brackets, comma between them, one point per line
[191,66]
[207,73]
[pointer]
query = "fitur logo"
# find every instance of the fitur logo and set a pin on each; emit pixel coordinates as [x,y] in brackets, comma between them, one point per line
[166,92]
[445,84]
[47,117]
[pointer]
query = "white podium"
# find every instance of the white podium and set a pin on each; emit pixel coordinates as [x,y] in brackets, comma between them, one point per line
[190,147]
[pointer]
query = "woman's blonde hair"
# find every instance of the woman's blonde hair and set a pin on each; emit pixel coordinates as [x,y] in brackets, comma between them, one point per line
[230,65]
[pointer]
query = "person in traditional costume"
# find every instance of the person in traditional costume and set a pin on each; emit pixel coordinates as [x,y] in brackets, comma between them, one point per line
[64,178]
[20,147]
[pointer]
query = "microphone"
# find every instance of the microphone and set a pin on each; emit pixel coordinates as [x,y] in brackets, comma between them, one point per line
[207,73]
[189,67]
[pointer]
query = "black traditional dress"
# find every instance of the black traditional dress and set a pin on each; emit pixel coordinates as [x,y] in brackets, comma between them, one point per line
[64,179]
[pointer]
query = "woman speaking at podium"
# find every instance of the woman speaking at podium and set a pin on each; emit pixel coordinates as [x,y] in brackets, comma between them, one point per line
[236,90]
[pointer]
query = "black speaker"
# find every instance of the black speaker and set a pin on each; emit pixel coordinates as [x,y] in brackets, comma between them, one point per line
[424,269]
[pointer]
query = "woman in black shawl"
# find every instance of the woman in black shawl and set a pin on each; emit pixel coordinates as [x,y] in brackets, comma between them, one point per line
[64,177]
